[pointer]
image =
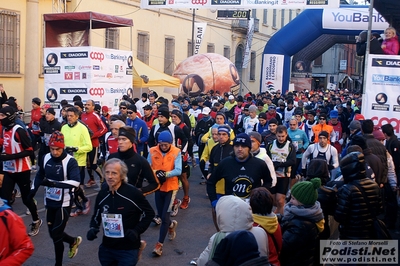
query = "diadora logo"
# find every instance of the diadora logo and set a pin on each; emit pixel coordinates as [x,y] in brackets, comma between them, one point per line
[74,54]
[96,92]
[97,56]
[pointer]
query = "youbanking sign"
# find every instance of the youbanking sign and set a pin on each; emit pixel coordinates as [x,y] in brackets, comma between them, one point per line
[275,73]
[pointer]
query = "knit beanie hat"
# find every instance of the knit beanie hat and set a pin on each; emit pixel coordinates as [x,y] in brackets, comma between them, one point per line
[128,134]
[164,112]
[51,111]
[306,191]
[57,140]
[132,107]
[243,140]
[46,106]
[177,113]
[104,109]
[273,121]
[255,135]
[323,134]
[165,136]
[10,114]
[224,128]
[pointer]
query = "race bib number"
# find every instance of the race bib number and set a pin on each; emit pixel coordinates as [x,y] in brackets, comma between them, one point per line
[112,225]
[9,166]
[337,136]
[53,193]
[35,127]
[46,138]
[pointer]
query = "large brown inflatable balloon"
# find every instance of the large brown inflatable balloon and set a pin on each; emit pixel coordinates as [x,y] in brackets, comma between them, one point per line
[204,72]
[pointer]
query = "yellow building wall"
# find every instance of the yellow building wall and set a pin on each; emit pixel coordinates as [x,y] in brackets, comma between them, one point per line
[159,24]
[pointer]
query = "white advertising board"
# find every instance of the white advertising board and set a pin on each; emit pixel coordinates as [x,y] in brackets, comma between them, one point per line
[381,101]
[103,75]
[272,72]
[352,19]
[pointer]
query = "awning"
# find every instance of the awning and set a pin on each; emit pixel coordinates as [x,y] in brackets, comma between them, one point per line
[390,10]
[146,76]
[58,24]
[343,77]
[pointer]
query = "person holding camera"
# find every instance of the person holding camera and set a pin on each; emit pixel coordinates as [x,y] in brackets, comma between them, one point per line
[166,161]
[78,143]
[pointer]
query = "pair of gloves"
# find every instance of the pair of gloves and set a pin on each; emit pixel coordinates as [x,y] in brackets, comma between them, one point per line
[131,234]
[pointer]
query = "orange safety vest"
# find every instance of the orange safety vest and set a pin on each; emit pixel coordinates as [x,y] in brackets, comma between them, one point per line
[318,128]
[165,163]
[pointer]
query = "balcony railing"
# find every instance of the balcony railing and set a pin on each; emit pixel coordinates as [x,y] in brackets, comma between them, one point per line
[241,25]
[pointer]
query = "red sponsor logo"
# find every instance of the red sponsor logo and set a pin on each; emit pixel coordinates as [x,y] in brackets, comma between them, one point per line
[77,75]
[68,75]
[384,120]
[96,92]
[97,56]
[199,2]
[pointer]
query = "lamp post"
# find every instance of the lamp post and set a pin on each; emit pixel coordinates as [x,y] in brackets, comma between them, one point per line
[193,20]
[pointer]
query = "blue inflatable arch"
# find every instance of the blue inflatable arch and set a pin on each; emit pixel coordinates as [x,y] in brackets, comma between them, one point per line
[307,28]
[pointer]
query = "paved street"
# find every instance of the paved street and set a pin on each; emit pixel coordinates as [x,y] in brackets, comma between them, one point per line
[195,227]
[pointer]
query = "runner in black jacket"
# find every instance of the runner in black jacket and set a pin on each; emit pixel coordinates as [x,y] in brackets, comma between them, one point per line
[124,214]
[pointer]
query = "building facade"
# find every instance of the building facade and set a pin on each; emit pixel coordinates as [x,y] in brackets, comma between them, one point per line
[160,38]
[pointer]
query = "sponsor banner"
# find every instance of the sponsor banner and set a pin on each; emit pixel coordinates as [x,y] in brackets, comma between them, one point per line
[381,101]
[241,4]
[352,19]
[272,72]
[87,64]
[249,39]
[199,28]
[103,93]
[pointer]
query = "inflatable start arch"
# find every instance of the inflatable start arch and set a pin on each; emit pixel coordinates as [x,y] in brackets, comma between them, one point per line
[305,29]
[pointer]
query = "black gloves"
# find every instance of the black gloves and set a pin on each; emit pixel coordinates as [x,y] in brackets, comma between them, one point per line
[92,234]
[131,235]
[46,182]
[70,149]
[161,175]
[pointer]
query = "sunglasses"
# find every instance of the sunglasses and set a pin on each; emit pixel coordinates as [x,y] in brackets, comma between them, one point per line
[322,118]
[130,112]
[122,108]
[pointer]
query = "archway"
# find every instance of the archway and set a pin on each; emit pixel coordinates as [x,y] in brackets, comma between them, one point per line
[316,24]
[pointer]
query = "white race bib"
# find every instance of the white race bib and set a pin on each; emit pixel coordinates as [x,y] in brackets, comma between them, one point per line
[9,166]
[112,225]
[53,193]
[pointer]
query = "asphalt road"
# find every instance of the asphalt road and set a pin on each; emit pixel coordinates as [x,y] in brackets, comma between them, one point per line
[194,229]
